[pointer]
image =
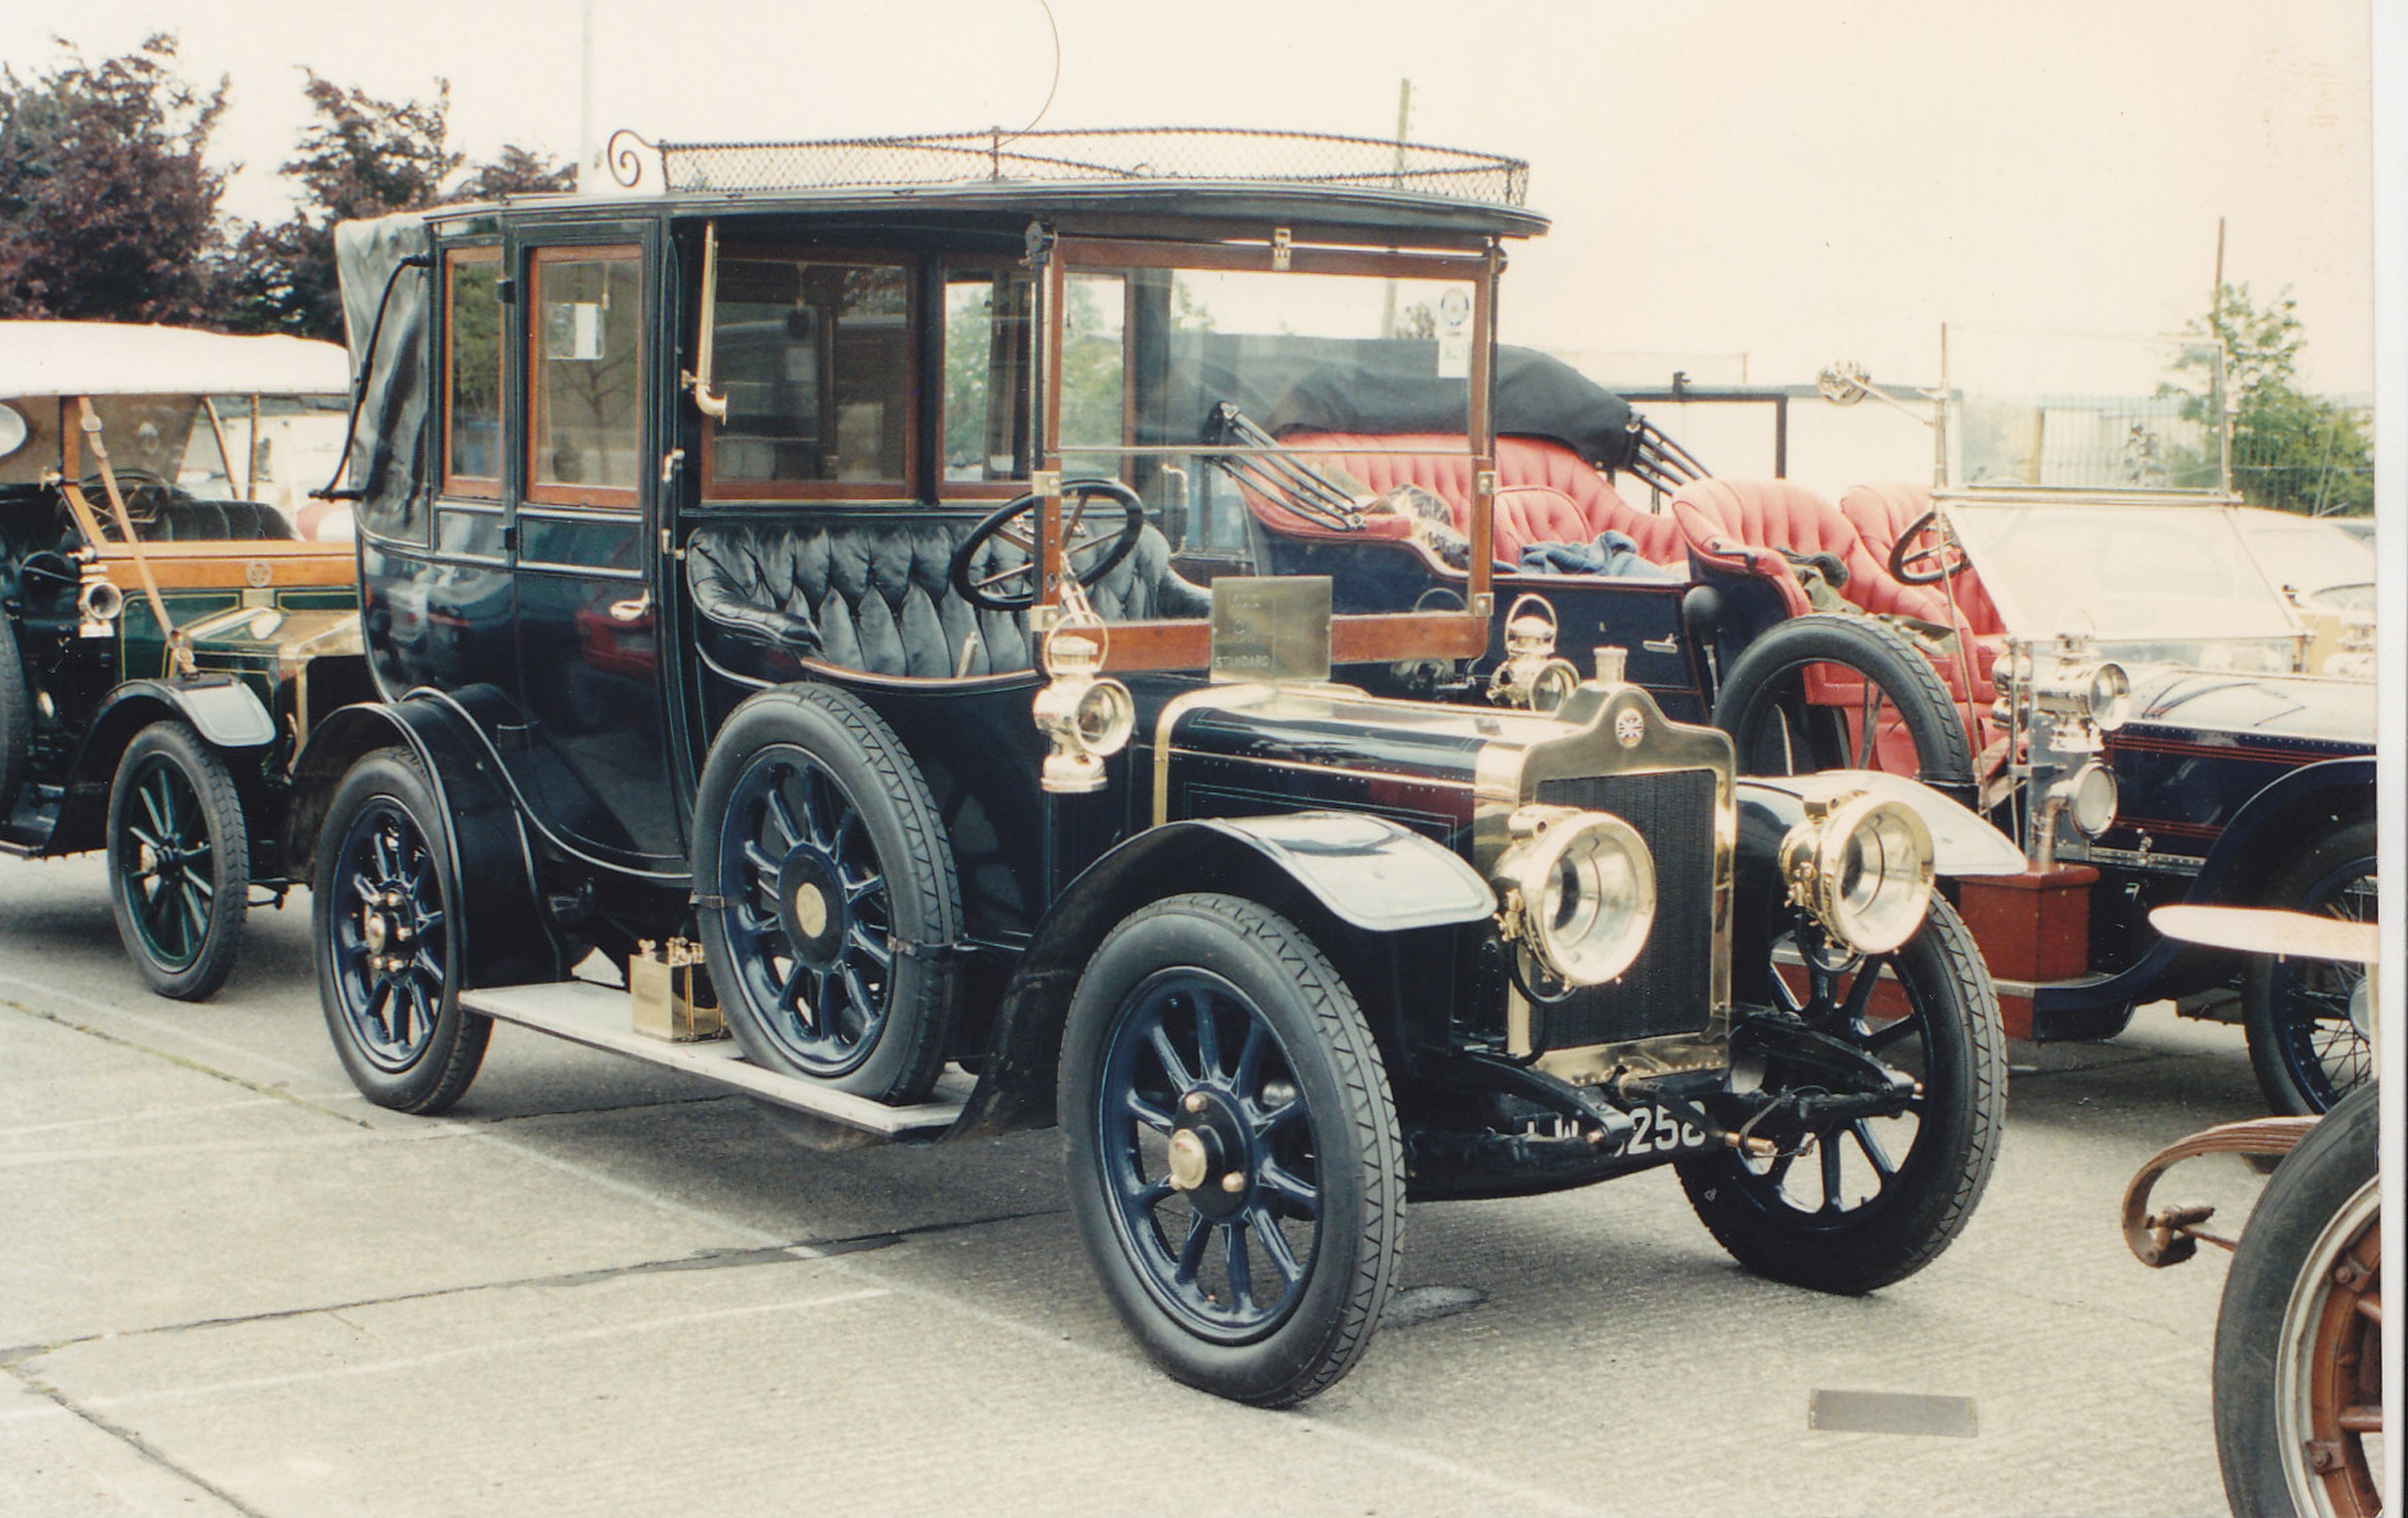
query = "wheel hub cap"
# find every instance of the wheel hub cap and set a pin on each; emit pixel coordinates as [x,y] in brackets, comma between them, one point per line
[811,905]
[1188,1162]
[373,930]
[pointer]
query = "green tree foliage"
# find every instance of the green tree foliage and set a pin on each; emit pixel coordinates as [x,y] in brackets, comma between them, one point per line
[108,209]
[2291,450]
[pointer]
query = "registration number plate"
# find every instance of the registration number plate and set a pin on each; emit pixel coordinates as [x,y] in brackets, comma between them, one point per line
[1655,1130]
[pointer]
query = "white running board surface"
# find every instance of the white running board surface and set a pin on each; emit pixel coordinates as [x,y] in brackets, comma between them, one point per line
[598,1017]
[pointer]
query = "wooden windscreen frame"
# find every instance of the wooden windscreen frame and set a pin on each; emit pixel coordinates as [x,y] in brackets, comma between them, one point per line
[1355,638]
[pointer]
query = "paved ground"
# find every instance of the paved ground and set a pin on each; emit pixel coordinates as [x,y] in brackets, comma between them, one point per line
[228,1286]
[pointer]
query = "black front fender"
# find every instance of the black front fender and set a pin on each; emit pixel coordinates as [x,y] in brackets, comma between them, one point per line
[1373,878]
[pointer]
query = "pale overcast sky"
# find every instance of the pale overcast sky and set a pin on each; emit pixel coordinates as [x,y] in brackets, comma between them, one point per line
[1793,182]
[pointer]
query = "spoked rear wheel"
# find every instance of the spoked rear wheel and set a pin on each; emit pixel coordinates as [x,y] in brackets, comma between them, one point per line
[825,882]
[178,861]
[384,909]
[1234,1157]
[1852,1205]
[1897,715]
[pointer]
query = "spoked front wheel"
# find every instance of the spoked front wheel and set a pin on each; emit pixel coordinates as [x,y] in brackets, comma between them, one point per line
[1234,1157]
[178,861]
[1852,1204]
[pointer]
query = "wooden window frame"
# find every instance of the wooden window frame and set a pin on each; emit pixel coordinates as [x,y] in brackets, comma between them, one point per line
[555,494]
[914,267]
[475,487]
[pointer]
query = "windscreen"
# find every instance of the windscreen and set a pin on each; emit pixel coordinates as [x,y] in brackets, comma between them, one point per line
[2062,410]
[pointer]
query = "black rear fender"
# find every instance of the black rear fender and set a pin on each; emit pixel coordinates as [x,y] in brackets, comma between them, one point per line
[509,936]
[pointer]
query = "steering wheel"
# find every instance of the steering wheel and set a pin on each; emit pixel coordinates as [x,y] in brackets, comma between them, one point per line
[1088,554]
[1928,563]
[145,494]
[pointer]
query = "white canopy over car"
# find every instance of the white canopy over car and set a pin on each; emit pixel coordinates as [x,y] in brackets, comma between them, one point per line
[112,358]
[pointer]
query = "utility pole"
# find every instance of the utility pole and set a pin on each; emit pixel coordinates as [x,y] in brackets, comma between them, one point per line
[585,164]
[1404,121]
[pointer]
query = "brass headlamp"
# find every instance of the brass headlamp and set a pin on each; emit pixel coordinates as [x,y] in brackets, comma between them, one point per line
[1862,865]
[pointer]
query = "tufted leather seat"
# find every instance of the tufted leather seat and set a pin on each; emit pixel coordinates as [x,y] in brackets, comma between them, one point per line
[1545,492]
[1880,514]
[1742,526]
[874,596]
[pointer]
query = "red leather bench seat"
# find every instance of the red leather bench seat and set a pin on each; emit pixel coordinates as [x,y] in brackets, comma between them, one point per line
[1545,492]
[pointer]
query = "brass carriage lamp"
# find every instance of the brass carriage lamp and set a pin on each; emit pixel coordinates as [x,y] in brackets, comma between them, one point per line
[2076,699]
[1087,716]
[1532,676]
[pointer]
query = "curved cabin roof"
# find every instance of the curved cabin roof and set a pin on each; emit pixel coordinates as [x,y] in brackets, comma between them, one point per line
[112,358]
[1338,213]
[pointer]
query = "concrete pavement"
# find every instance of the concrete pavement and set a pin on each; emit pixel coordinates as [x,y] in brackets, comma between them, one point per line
[227,1285]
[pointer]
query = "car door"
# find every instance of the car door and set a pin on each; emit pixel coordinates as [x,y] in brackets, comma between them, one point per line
[589,666]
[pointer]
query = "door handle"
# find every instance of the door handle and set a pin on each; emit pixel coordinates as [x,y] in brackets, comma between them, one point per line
[633,609]
[1661,645]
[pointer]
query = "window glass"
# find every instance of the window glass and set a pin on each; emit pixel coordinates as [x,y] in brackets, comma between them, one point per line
[986,375]
[1094,318]
[163,438]
[472,441]
[814,358]
[588,342]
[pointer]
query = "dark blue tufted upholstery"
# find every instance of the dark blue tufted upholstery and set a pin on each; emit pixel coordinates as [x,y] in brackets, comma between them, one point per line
[874,596]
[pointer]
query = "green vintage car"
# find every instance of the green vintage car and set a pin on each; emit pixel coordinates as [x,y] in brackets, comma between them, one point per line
[174,608]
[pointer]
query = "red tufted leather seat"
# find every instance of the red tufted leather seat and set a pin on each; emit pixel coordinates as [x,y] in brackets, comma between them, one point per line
[1738,524]
[1881,512]
[1545,492]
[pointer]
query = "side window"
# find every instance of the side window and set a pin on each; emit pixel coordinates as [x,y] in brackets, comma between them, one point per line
[472,372]
[987,345]
[585,371]
[815,357]
[1094,372]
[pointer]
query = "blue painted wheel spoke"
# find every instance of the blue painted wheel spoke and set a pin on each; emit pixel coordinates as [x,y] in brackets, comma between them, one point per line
[781,817]
[790,987]
[1249,1058]
[859,940]
[1829,1154]
[1146,1112]
[1207,1037]
[1152,1196]
[148,795]
[1275,1117]
[133,831]
[1191,1254]
[379,994]
[858,891]
[763,868]
[1275,1246]
[1875,1154]
[1851,1014]
[1234,1257]
[1882,1038]
[1173,1068]
[1295,1196]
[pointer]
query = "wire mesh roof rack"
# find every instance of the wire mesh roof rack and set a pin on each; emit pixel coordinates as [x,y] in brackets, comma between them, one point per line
[1127,154]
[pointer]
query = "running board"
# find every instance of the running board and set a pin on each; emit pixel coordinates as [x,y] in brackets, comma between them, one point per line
[599,1017]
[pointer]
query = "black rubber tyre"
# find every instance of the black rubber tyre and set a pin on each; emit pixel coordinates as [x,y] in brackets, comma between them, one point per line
[16,719]
[1952,1042]
[178,861]
[826,885]
[1762,703]
[2306,1051]
[2293,1344]
[1286,1102]
[383,912]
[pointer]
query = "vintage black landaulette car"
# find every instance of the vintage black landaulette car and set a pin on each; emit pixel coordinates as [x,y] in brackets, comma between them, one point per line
[771,572]
[168,628]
